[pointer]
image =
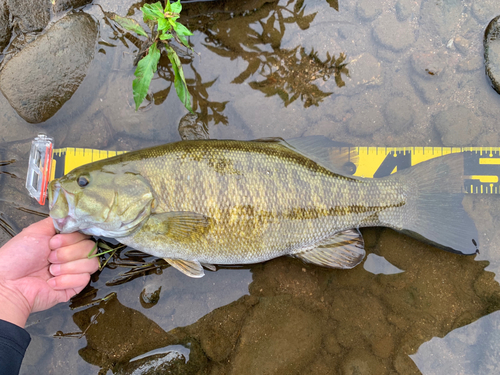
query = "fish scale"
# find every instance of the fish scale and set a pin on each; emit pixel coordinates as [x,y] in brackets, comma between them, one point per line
[302,202]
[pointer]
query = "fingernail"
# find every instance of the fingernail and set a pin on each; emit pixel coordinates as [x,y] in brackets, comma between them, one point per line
[53,257]
[55,242]
[55,269]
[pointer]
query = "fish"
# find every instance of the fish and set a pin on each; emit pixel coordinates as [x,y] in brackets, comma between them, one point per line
[201,203]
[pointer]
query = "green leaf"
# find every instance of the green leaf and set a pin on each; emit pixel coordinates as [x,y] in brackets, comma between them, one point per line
[184,41]
[163,25]
[179,80]
[166,36]
[130,24]
[152,11]
[180,29]
[146,68]
[176,7]
[167,6]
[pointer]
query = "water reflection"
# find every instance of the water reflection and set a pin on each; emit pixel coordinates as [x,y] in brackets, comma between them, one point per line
[256,37]
[369,323]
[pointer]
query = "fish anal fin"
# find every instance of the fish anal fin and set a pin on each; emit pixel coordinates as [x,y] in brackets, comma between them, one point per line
[209,266]
[342,250]
[192,268]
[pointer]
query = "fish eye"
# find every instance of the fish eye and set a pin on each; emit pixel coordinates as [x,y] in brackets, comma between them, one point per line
[83,181]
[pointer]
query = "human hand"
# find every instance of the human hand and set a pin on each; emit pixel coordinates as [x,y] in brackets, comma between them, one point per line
[39,268]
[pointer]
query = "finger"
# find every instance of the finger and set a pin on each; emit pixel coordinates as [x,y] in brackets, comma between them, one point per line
[80,250]
[62,240]
[75,267]
[77,282]
[43,227]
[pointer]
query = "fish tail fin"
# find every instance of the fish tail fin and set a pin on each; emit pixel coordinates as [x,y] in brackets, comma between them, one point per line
[434,212]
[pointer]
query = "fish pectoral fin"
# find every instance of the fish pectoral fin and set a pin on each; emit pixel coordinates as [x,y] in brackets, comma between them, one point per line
[192,268]
[342,250]
[179,224]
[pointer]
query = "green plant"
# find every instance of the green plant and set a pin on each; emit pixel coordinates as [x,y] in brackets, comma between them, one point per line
[164,27]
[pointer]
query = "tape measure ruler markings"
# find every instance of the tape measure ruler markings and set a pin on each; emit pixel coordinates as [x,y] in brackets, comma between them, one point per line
[481,164]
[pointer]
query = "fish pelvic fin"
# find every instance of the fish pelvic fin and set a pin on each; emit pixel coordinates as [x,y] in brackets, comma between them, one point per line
[342,250]
[434,212]
[192,268]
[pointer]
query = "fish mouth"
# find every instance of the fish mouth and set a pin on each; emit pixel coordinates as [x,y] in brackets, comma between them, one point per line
[60,205]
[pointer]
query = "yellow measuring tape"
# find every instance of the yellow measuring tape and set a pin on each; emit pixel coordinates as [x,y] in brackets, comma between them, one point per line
[481,164]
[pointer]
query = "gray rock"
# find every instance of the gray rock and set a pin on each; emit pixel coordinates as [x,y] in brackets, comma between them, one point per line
[364,71]
[458,126]
[366,122]
[62,5]
[485,9]
[399,114]
[394,35]
[428,64]
[462,45]
[403,9]
[5,31]
[29,15]
[441,18]
[492,52]
[46,73]
[368,10]
[428,91]
[471,64]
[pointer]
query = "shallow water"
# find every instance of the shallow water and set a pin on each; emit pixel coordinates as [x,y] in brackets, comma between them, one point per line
[253,77]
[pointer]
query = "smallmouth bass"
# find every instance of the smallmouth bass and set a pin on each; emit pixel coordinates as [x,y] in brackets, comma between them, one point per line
[204,202]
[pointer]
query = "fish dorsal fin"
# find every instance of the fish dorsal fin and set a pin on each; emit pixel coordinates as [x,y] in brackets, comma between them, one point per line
[338,157]
[192,268]
[342,250]
[179,224]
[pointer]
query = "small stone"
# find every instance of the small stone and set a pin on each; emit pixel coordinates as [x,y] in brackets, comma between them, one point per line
[368,10]
[149,297]
[462,45]
[331,345]
[384,347]
[458,126]
[440,18]
[428,64]
[403,9]
[394,35]
[366,122]
[471,64]
[364,71]
[492,52]
[399,114]
[191,127]
[484,9]
[427,89]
